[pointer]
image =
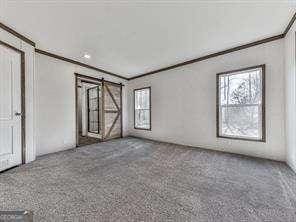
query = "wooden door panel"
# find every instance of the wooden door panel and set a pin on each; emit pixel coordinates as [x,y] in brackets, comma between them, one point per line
[116,130]
[114,93]
[112,111]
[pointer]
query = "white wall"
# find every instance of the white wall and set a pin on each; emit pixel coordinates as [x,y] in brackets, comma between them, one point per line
[29,89]
[290,72]
[184,102]
[55,103]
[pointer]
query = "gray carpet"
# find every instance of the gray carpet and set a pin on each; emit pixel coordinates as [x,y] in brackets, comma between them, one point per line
[86,140]
[140,180]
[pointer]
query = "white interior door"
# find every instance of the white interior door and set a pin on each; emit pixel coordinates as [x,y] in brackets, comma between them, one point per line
[10,108]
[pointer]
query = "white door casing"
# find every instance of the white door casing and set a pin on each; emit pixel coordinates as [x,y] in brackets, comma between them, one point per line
[10,108]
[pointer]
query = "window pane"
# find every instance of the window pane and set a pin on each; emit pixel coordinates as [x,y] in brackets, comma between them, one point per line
[142,119]
[240,104]
[142,99]
[142,108]
[241,121]
[242,88]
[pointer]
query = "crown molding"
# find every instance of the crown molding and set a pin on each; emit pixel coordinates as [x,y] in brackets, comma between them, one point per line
[289,25]
[237,48]
[27,40]
[230,50]
[78,63]
[15,33]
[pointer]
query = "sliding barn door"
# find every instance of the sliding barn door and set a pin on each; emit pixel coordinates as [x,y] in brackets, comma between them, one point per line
[10,108]
[112,114]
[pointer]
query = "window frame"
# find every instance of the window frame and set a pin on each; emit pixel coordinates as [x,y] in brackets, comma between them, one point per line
[139,128]
[263,121]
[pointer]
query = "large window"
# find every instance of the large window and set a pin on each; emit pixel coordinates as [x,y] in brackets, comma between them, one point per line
[142,115]
[241,104]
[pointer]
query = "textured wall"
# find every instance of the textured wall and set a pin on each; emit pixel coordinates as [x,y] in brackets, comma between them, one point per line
[290,73]
[184,102]
[55,103]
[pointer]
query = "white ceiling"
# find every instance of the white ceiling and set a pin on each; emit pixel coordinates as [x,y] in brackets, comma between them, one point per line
[131,38]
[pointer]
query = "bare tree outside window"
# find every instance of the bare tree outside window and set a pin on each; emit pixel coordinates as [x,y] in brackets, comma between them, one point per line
[240,104]
[142,108]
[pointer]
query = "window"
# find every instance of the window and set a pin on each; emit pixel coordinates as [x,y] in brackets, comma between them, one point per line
[142,114]
[241,104]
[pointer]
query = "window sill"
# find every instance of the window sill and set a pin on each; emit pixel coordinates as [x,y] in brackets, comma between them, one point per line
[263,140]
[147,129]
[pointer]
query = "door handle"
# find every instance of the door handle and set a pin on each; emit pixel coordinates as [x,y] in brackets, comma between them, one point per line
[18,114]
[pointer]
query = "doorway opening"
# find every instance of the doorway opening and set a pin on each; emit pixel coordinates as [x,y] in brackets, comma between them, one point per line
[98,110]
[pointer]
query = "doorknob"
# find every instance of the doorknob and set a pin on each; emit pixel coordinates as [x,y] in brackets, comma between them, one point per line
[18,114]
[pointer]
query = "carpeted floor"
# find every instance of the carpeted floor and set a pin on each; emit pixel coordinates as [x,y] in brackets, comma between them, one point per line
[132,179]
[86,140]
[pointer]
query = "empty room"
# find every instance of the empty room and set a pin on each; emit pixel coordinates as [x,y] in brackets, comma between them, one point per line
[148,110]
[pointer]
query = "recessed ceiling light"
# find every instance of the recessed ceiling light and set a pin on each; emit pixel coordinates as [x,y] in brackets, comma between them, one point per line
[87,56]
